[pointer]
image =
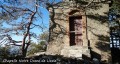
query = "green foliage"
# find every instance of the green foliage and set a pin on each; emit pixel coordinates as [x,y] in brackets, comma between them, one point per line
[34,48]
[41,46]
[116,5]
[8,51]
[114,14]
[44,36]
[4,52]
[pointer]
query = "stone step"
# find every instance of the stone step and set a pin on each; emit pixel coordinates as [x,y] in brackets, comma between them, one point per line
[75,51]
[76,47]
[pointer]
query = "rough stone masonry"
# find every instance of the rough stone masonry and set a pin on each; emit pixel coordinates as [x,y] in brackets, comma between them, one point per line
[79,28]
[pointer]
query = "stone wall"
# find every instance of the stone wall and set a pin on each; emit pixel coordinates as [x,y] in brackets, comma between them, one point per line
[59,27]
[98,31]
[96,38]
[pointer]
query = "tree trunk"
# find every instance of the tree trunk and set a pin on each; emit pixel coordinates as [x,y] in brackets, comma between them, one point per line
[27,34]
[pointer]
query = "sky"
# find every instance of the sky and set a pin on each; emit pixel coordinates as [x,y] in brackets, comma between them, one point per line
[45,19]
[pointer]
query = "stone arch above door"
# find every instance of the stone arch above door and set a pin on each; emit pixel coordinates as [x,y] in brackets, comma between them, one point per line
[76,12]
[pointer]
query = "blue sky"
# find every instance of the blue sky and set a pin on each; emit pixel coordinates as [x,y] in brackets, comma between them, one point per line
[45,19]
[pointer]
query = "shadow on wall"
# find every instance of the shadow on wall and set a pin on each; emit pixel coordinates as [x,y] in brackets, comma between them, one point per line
[98,17]
[95,58]
[95,55]
[103,46]
[104,38]
[89,5]
[103,43]
[53,32]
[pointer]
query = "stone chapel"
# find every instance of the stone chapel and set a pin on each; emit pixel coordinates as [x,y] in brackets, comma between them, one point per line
[80,28]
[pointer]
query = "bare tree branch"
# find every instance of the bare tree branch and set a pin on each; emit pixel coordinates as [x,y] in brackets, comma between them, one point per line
[6,10]
[27,34]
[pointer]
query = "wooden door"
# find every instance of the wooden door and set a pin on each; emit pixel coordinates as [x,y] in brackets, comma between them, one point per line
[75,30]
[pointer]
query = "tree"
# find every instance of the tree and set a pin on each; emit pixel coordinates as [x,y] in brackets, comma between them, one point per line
[41,45]
[4,52]
[115,5]
[8,51]
[114,15]
[44,36]
[34,47]
[20,17]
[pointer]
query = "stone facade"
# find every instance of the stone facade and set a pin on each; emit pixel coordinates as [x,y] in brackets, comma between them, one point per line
[95,30]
